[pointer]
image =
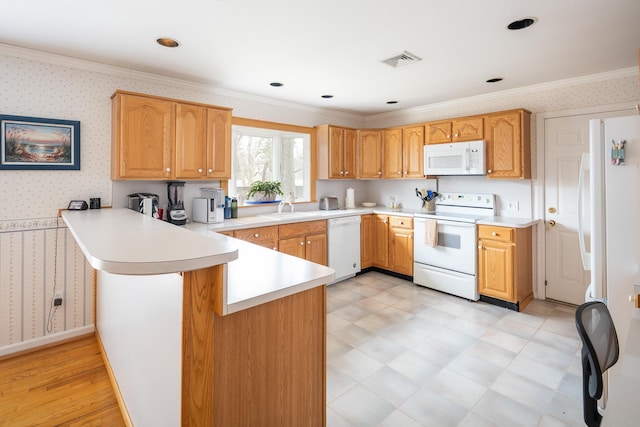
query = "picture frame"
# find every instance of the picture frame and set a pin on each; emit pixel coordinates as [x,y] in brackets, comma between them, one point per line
[33,143]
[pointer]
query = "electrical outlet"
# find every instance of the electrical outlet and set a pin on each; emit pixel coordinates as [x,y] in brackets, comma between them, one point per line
[57,299]
[513,205]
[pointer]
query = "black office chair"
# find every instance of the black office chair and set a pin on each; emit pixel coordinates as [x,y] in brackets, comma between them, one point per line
[599,352]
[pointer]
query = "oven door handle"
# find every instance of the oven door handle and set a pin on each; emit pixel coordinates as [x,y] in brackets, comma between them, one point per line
[447,222]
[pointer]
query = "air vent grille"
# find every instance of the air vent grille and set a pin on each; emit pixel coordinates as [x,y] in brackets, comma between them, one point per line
[405,58]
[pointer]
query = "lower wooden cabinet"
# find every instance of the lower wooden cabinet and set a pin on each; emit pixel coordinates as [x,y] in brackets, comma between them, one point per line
[366,241]
[393,243]
[401,245]
[504,264]
[263,236]
[306,240]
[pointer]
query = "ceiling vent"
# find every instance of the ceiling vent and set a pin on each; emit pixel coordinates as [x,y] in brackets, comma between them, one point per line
[405,58]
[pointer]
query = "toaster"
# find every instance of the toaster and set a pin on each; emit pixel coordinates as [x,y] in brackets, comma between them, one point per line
[329,203]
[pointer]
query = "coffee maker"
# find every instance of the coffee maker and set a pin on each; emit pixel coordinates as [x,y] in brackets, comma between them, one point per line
[176,213]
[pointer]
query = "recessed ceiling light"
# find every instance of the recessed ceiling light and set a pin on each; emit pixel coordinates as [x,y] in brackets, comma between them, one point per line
[276,84]
[327,96]
[167,42]
[392,102]
[522,23]
[495,80]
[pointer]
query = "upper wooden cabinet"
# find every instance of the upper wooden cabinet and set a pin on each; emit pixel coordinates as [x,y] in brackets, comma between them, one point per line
[508,149]
[369,153]
[403,152]
[336,152]
[157,139]
[457,130]
[143,137]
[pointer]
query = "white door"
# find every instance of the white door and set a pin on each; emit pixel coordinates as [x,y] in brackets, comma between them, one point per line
[566,138]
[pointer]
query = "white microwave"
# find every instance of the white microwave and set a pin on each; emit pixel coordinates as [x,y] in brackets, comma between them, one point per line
[456,158]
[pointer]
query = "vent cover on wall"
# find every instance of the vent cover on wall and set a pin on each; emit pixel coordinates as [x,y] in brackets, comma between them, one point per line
[405,58]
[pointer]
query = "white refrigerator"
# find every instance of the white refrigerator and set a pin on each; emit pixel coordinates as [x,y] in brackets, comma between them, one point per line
[609,215]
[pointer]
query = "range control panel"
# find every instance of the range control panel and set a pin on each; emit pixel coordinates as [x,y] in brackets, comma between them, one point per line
[471,200]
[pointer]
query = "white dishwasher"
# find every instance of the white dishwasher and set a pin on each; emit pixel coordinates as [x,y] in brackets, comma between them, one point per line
[344,246]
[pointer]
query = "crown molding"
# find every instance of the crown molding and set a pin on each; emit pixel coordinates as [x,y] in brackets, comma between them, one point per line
[554,85]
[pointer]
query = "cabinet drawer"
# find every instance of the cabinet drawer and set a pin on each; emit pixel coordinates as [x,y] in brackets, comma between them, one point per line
[490,232]
[302,228]
[400,222]
[258,235]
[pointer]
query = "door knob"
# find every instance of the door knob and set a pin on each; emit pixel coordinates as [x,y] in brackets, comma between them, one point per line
[551,223]
[552,210]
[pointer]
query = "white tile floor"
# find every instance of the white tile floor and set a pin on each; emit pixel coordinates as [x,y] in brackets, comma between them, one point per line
[402,355]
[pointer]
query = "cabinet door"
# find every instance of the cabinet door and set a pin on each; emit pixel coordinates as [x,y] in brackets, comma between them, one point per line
[336,152]
[366,241]
[143,138]
[439,133]
[392,148]
[295,246]
[191,141]
[471,129]
[507,153]
[413,152]
[401,251]
[316,248]
[495,269]
[349,154]
[381,241]
[218,143]
[369,154]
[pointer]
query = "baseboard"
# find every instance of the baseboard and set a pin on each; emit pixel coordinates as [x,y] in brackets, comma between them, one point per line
[387,272]
[114,383]
[17,349]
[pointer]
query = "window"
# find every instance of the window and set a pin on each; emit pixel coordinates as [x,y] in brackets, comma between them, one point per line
[262,151]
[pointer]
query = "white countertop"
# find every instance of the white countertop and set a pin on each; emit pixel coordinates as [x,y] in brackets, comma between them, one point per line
[260,275]
[508,221]
[122,241]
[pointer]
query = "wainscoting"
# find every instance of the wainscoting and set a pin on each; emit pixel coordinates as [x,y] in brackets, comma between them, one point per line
[39,258]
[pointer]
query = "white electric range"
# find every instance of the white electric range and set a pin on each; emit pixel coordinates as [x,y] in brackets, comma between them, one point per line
[451,265]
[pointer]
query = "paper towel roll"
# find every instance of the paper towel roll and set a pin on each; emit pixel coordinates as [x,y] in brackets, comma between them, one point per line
[350,200]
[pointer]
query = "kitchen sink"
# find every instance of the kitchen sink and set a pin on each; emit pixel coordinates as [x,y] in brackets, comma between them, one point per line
[288,215]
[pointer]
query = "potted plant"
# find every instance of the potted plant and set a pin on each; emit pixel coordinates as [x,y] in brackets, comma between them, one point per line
[264,190]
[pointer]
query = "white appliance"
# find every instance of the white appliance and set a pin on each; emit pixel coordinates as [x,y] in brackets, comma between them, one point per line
[456,158]
[208,210]
[344,246]
[450,266]
[609,198]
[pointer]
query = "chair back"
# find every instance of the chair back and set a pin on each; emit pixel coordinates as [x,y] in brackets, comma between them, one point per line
[600,351]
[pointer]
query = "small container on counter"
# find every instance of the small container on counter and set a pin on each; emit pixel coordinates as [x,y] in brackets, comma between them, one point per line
[234,208]
[227,207]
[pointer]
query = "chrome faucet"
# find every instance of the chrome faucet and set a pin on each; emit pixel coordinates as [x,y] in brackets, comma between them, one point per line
[282,205]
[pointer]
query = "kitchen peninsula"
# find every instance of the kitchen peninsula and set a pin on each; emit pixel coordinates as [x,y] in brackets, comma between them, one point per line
[204,330]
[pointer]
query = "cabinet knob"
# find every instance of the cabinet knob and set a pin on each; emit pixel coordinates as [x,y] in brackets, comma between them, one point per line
[274,248]
[209,170]
[405,172]
[494,234]
[167,170]
[308,242]
[199,170]
[346,173]
[401,222]
[399,172]
[341,172]
[449,136]
[479,246]
[256,235]
[379,172]
[455,134]
[489,171]
[301,243]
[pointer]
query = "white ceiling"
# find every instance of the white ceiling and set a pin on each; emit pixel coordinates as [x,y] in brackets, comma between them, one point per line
[318,47]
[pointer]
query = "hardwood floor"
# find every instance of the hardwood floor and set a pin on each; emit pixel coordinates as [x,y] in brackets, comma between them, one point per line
[63,385]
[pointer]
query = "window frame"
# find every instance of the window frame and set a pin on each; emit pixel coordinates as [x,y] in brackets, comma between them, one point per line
[261,124]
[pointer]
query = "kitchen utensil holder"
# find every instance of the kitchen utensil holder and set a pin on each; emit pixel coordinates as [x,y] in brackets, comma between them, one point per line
[428,206]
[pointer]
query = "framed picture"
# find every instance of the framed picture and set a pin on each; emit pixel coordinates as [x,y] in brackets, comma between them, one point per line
[36,143]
